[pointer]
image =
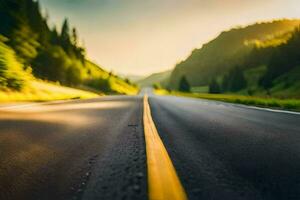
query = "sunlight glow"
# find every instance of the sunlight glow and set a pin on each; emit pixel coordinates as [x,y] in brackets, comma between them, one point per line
[141,37]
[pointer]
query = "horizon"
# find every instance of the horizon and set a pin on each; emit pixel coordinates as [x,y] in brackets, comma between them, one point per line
[122,42]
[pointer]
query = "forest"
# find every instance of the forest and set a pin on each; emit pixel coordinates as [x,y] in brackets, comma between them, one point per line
[260,59]
[31,49]
[278,70]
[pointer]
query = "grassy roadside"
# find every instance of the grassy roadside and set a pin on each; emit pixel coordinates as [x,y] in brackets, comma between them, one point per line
[122,87]
[289,104]
[43,91]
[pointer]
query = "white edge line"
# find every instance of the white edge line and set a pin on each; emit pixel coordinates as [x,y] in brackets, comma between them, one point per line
[269,109]
[242,105]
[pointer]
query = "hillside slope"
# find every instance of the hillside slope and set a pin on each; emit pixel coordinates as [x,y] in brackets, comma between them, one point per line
[30,49]
[101,80]
[156,78]
[230,49]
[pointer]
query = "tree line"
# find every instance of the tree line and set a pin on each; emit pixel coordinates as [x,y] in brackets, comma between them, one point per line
[28,45]
[279,61]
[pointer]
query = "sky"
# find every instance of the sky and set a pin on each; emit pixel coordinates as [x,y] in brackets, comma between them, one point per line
[140,37]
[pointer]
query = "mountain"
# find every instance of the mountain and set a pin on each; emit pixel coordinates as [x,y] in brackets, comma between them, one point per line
[156,78]
[131,77]
[230,49]
[272,68]
[30,48]
[282,76]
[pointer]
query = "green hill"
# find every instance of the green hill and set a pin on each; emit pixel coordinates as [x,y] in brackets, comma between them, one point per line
[271,69]
[157,78]
[282,76]
[230,49]
[30,50]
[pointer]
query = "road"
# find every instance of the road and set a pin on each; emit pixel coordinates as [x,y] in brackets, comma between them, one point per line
[95,149]
[89,149]
[225,151]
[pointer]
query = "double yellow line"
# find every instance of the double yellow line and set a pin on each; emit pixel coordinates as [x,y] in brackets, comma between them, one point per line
[163,182]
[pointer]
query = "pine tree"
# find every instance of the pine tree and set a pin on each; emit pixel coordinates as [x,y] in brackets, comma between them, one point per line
[65,31]
[24,42]
[225,85]
[74,37]
[214,87]
[184,85]
[65,36]
[238,80]
[37,22]
[234,80]
[54,37]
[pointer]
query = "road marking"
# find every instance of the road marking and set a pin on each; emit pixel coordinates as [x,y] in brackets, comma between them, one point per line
[271,109]
[223,103]
[163,182]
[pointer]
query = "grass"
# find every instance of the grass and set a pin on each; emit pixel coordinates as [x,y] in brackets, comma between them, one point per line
[200,89]
[118,85]
[44,91]
[289,104]
[122,87]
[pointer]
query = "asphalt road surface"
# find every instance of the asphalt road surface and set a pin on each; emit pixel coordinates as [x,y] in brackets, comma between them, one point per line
[95,149]
[223,151]
[90,149]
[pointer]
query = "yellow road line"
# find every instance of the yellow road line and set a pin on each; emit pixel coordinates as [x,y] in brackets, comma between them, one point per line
[163,182]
